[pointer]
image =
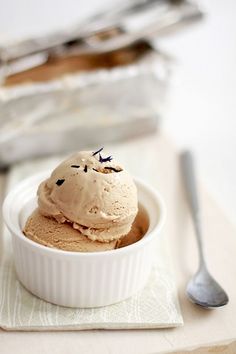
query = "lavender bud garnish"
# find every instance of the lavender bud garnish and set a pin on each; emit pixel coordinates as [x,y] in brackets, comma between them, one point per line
[75,166]
[97,152]
[85,168]
[59,182]
[104,159]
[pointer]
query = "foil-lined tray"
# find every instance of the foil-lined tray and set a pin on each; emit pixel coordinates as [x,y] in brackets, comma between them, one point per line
[97,82]
[83,109]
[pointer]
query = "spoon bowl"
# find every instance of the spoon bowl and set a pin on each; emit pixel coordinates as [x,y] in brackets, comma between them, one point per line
[203,290]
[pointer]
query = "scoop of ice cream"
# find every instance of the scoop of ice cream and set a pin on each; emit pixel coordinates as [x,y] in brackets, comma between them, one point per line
[96,195]
[50,233]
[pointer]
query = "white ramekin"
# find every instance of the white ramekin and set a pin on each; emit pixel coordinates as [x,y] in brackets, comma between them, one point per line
[77,279]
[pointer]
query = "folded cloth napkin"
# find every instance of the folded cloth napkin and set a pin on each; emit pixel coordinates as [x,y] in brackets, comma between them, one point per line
[155,306]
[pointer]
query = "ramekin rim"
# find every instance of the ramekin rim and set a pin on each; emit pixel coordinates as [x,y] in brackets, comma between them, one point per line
[54,251]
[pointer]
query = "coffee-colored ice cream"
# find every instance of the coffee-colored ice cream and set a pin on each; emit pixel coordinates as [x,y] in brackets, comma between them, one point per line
[88,204]
[95,194]
[50,233]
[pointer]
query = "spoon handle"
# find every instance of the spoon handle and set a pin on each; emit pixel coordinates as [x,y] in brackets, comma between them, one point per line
[188,169]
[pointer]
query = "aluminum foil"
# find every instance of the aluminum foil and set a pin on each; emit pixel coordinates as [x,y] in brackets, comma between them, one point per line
[80,110]
[77,110]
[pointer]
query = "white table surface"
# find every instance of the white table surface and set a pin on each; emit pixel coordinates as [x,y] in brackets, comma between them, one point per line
[202,328]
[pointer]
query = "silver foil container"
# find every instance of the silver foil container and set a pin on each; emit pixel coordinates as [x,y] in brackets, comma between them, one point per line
[83,109]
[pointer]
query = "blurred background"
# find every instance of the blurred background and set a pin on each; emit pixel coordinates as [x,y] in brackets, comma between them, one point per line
[76,74]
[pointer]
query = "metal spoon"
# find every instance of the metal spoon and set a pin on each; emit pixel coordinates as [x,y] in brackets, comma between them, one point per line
[202,289]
